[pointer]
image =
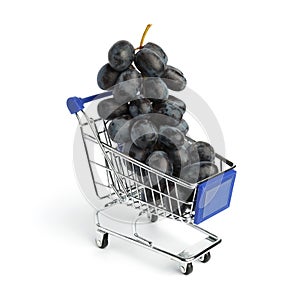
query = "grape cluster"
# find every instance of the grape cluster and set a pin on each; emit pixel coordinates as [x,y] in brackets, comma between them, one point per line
[146,120]
[150,77]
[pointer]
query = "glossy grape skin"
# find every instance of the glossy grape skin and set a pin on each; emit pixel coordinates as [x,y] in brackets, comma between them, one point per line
[178,102]
[155,89]
[144,134]
[127,86]
[158,120]
[192,174]
[198,171]
[121,55]
[133,151]
[174,79]
[201,151]
[158,50]
[179,158]
[109,109]
[140,106]
[168,108]
[159,160]
[170,137]
[138,154]
[207,169]
[183,126]
[107,77]
[149,63]
[119,129]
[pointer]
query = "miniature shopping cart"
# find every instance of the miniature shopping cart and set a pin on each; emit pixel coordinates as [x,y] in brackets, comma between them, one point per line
[130,183]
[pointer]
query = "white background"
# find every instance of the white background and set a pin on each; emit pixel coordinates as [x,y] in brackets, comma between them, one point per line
[242,57]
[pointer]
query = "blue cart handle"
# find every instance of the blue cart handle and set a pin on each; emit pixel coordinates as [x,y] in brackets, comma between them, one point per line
[75,104]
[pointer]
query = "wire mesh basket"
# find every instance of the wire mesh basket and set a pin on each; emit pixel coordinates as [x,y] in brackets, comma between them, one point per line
[129,182]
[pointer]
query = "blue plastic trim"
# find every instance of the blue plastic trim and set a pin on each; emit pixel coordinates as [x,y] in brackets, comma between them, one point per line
[75,104]
[221,188]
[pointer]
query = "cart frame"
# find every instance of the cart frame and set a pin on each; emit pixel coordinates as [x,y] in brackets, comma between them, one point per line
[126,183]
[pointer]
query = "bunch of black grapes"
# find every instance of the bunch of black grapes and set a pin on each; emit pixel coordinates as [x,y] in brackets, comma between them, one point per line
[147,122]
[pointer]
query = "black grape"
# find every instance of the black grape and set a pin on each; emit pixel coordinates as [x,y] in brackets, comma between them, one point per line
[119,129]
[109,109]
[107,77]
[201,151]
[170,137]
[121,55]
[127,86]
[159,160]
[136,153]
[192,174]
[174,79]
[168,108]
[149,63]
[198,171]
[144,134]
[179,158]
[178,102]
[140,106]
[183,126]
[155,89]
[158,50]
[160,120]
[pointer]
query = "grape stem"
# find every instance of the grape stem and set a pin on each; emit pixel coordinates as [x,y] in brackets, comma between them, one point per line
[143,37]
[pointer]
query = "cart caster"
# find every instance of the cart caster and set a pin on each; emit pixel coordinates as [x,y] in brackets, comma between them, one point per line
[153,218]
[102,244]
[187,269]
[205,258]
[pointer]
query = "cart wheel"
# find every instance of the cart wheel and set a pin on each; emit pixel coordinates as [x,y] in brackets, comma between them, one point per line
[205,258]
[153,218]
[187,270]
[102,244]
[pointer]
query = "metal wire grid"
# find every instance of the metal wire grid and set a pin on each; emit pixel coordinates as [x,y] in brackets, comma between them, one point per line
[133,183]
[141,187]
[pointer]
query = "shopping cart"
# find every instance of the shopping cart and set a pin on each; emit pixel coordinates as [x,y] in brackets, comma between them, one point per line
[156,195]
